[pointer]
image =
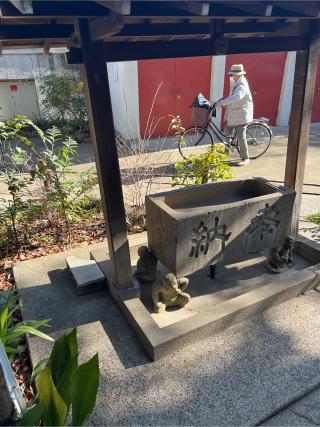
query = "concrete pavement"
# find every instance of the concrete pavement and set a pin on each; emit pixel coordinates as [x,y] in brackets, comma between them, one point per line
[241,376]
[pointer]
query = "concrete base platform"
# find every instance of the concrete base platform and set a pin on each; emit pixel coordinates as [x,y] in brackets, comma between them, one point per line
[239,376]
[239,291]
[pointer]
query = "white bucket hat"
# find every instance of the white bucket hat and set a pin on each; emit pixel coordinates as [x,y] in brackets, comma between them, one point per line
[237,70]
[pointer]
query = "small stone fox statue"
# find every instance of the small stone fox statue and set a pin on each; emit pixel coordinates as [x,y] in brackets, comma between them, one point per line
[146,265]
[169,292]
[281,258]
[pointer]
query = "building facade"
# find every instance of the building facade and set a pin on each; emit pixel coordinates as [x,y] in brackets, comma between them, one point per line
[146,94]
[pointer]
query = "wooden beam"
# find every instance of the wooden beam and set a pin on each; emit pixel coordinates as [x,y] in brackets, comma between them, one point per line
[7,9]
[193,7]
[269,10]
[74,56]
[46,47]
[122,7]
[302,9]
[251,9]
[101,28]
[149,30]
[129,51]
[65,8]
[94,71]
[24,6]
[300,118]
[28,32]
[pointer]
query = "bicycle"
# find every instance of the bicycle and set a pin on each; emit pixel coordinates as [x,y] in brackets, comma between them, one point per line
[197,138]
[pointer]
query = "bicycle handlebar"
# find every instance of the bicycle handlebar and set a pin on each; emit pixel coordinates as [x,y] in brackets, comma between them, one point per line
[212,106]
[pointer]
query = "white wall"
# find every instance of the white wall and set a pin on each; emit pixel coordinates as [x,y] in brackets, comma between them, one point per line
[286,90]
[123,80]
[32,65]
[218,68]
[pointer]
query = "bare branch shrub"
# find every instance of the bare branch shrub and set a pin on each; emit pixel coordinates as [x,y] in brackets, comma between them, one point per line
[145,163]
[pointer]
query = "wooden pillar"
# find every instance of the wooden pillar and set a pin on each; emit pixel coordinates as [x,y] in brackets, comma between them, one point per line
[300,119]
[94,70]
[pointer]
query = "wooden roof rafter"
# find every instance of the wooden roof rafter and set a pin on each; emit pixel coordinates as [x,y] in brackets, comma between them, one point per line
[23,6]
[153,9]
[131,21]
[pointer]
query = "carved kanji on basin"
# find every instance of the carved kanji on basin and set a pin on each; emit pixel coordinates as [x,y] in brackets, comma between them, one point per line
[193,227]
[202,237]
[266,220]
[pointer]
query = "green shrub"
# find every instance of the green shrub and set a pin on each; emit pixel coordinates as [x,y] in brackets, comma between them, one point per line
[63,384]
[40,182]
[198,169]
[64,100]
[62,194]
[315,218]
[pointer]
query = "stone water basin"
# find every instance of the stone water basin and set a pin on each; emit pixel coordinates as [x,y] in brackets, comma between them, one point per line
[192,227]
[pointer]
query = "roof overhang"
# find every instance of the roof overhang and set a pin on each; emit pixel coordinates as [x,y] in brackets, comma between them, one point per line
[133,29]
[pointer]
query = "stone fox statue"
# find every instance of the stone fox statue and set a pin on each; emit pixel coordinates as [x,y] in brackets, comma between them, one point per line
[281,258]
[169,291]
[146,265]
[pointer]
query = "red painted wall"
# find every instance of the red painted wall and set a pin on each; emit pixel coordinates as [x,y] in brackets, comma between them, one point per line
[168,87]
[264,74]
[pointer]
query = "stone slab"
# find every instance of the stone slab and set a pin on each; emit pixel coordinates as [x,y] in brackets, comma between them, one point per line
[309,407]
[240,291]
[287,418]
[237,377]
[160,342]
[86,274]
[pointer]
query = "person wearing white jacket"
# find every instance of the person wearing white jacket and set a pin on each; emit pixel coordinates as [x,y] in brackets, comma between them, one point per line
[239,109]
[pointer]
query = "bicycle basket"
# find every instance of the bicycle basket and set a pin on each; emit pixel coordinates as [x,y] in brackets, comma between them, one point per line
[199,116]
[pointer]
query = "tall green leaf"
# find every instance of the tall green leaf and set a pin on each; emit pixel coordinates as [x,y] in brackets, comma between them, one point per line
[18,331]
[4,319]
[64,350]
[55,412]
[33,416]
[38,368]
[84,392]
[64,386]
[34,323]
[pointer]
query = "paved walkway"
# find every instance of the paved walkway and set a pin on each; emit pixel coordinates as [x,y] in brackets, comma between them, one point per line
[240,376]
[303,412]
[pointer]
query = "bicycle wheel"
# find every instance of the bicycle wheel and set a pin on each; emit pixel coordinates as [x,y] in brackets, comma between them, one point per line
[196,140]
[258,139]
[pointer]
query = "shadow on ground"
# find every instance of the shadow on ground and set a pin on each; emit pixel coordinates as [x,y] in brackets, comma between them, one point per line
[237,377]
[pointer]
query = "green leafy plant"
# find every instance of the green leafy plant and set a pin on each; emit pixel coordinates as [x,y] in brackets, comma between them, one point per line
[40,183]
[10,333]
[63,384]
[52,168]
[64,99]
[315,218]
[202,168]
[13,210]
[199,169]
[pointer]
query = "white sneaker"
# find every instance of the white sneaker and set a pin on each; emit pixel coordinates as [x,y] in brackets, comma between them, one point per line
[244,162]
